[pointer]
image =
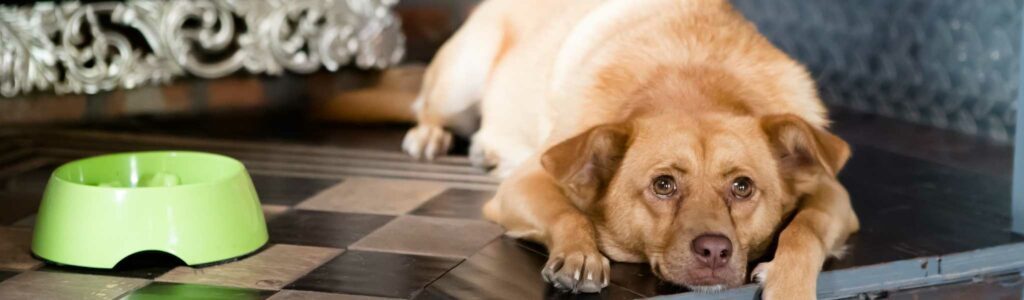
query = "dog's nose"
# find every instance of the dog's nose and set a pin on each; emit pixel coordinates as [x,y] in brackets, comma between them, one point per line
[713,250]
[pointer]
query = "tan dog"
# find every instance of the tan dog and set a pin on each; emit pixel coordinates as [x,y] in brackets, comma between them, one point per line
[660,131]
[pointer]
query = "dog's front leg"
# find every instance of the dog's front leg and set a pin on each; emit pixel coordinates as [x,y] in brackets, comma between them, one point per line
[530,205]
[574,262]
[823,221]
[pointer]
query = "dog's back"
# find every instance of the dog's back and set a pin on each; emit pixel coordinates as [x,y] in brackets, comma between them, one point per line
[548,79]
[537,71]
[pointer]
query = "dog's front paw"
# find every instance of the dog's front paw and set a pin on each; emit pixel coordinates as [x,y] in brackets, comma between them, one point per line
[426,141]
[578,271]
[482,156]
[792,284]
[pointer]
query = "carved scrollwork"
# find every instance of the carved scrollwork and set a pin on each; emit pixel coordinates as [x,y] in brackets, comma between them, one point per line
[87,48]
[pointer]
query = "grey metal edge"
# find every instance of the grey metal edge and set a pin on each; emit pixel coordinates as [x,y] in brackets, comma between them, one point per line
[897,275]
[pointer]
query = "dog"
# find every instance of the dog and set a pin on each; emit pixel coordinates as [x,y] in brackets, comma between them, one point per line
[662,131]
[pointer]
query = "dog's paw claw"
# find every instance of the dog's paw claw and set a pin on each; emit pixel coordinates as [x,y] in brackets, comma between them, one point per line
[760,273]
[579,272]
[426,142]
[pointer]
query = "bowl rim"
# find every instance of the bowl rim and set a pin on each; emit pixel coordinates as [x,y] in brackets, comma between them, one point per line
[53,175]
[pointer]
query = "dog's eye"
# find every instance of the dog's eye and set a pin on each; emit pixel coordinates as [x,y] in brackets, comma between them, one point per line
[742,187]
[664,186]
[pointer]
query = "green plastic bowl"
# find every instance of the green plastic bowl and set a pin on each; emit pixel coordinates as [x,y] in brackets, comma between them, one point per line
[199,207]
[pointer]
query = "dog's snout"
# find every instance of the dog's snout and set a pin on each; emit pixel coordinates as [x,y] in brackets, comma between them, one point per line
[712,250]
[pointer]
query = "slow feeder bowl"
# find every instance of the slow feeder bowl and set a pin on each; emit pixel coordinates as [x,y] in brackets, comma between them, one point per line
[199,207]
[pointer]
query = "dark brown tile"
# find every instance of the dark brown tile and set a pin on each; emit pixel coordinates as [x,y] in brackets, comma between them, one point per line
[896,196]
[501,269]
[639,279]
[633,277]
[456,203]
[288,191]
[176,291]
[375,274]
[418,235]
[321,228]
[506,270]
[5,274]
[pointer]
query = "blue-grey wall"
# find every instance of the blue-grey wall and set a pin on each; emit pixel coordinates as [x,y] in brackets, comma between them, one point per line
[946,63]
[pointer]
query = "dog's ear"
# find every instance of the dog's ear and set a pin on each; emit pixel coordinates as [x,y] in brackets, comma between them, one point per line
[799,147]
[584,164]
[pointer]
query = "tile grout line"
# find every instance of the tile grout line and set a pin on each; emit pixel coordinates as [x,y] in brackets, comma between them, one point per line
[310,271]
[424,288]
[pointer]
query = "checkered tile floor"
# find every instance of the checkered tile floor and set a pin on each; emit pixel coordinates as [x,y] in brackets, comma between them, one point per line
[367,224]
[377,231]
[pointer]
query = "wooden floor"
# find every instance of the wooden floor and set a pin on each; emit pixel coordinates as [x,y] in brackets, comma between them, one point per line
[350,215]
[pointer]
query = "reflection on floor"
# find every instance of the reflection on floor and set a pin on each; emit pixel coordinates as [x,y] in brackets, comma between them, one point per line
[349,216]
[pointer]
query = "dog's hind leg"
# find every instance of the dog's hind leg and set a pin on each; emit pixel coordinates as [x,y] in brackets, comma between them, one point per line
[454,84]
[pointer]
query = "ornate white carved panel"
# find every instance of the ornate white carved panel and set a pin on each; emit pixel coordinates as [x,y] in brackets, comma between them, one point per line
[87,48]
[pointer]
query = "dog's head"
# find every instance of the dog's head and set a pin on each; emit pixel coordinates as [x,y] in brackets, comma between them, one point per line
[696,196]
